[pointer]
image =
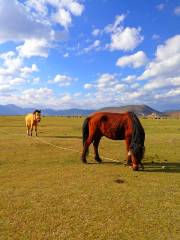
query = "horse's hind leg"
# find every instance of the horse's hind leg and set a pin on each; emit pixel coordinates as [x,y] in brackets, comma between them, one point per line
[96,144]
[86,147]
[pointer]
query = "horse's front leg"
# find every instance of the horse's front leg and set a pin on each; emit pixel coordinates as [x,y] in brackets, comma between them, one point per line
[36,129]
[96,144]
[31,130]
[28,130]
[128,158]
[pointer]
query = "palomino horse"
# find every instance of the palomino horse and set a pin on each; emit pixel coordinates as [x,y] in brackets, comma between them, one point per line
[32,120]
[116,126]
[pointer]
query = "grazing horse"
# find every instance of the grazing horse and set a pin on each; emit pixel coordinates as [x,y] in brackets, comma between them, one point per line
[116,126]
[32,120]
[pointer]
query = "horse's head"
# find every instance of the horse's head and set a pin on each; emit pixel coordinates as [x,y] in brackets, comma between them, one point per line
[37,115]
[138,154]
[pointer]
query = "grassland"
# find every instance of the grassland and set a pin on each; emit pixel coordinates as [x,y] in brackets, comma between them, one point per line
[47,193]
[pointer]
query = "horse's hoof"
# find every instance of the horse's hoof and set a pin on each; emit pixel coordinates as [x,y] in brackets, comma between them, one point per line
[83,160]
[129,163]
[99,160]
[142,167]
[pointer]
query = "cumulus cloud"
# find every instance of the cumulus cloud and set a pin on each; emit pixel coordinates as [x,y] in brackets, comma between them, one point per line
[121,38]
[62,80]
[135,60]
[34,47]
[35,22]
[14,71]
[62,17]
[17,25]
[166,62]
[108,87]
[126,39]
[61,11]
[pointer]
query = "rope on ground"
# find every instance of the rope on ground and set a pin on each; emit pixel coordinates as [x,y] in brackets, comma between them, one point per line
[57,146]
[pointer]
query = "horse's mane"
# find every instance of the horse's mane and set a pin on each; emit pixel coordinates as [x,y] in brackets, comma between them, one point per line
[138,137]
[37,111]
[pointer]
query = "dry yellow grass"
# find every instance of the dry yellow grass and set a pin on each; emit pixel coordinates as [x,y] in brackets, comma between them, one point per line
[47,193]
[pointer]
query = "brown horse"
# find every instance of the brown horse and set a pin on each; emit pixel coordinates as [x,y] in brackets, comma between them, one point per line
[116,126]
[32,120]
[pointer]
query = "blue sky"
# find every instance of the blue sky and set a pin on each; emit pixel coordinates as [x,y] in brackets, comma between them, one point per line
[90,53]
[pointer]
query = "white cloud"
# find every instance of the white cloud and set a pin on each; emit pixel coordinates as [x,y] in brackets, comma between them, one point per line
[74,7]
[126,39]
[34,23]
[160,7]
[35,80]
[135,60]
[62,17]
[94,46]
[155,36]
[177,11]
[122,38]
[60,11]
[116,25]
[36,94]
[96,32]
[14,71]
[88,86]
[62,80]
[129,78]
[162,83]
[66,55]
[34,47]
[171,93]
[167,61]
[17,25]
[25,71]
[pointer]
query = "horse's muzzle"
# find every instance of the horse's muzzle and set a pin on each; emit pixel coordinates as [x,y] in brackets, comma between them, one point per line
[135,167]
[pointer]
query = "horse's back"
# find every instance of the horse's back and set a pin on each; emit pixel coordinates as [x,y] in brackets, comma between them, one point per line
[111,125]
[109,116]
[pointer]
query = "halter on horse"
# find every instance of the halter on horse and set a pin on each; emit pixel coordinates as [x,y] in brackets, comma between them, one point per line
[32,120]
[116,126]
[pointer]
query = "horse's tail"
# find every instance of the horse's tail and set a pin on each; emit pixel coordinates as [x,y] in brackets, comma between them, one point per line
[85,130]
[138,138]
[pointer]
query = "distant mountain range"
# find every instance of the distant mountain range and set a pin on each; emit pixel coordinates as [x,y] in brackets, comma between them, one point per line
[141,110]
[11,109]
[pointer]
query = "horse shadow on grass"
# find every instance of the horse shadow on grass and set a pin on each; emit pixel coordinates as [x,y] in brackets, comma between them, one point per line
[106,162]
[173,167]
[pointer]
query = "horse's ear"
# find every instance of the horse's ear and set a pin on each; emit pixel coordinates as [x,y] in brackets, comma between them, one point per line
[39,111]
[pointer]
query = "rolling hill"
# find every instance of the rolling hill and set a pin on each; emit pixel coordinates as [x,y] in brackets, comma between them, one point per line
[141,110]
